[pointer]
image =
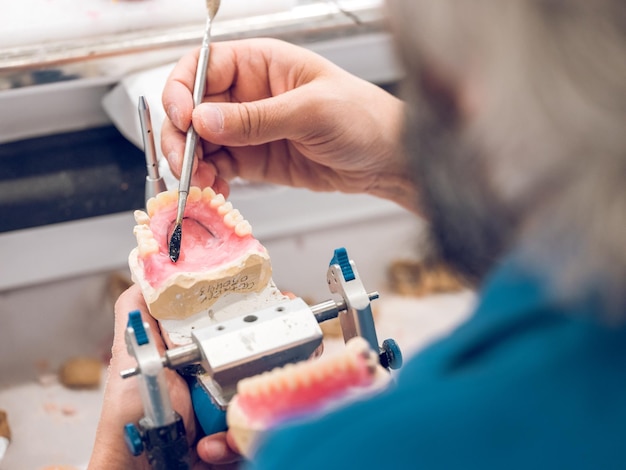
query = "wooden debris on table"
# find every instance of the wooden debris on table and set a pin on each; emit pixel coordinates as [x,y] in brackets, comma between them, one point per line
[332,328]
[81,372]
[421,278]
[117,283]
[5,431]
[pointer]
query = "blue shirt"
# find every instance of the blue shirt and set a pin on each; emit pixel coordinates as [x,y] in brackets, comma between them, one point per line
[525,383]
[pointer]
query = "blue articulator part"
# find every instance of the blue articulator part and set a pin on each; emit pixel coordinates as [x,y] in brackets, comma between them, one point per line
[341,258]
[211,418]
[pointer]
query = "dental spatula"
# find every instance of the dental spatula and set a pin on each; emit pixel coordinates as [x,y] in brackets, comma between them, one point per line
[192,136]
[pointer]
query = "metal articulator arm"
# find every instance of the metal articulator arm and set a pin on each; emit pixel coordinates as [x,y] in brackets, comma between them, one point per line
[357,319]
[161,432]
[241,347]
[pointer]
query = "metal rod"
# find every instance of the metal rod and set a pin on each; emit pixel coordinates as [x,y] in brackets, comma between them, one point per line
[127,373]
[182,356]
[192,136]
[148,138]
[191,142]
[154,182]
[331,309]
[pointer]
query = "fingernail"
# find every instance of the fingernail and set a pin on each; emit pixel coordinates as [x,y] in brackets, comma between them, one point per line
[212,118]
[174,115]
[216,449]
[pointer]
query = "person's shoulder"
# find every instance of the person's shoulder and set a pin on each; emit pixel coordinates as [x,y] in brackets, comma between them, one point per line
[523,383]
[525,376]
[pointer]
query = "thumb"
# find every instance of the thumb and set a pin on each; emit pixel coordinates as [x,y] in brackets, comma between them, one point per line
[249,123]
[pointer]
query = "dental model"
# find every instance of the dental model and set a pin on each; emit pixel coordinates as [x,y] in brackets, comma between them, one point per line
[297,390]
[222,272]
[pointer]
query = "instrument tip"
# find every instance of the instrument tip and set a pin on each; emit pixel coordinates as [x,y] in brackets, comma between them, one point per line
[175,241]
[212,7]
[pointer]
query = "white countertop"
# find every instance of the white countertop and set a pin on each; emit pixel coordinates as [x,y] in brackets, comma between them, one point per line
[27,22]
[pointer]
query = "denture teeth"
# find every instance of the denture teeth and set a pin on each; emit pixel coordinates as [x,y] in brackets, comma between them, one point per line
[360,348]
[208,193]
[152,206]
[290,382]
[246,387]
[232,218]
[265,385]
[166,197]
[358,345]
[141,217]
[306,374]
[304,378]
[343,367]
[217,201]
[225,208]
[243,228]
[194,194]
[319,374]
[162,199]
[140,231]
[145,240]
[148,247]
[276,386]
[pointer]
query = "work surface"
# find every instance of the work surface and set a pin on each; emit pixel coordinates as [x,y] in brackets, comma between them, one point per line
[55,426]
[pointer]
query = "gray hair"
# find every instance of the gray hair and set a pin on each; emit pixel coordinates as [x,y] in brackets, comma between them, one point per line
[543,93]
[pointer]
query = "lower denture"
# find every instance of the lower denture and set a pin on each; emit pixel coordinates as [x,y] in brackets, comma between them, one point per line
[304,389]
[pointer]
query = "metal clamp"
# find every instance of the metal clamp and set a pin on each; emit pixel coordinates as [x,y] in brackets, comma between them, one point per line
[161,432]
[251,344]
[238,348]
[357,319]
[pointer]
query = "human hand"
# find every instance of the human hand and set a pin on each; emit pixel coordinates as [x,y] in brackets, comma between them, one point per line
[278,113]
[122,404]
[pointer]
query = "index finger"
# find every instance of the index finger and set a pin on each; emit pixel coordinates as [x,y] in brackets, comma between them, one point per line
[177,95]
[228,60]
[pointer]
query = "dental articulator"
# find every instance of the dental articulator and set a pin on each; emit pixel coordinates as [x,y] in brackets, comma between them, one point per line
[236,339]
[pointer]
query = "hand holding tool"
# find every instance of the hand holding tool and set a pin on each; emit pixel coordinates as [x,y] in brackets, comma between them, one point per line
[261,340]
[161,432]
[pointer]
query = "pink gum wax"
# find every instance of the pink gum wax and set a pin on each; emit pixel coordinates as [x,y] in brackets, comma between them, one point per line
[207,243]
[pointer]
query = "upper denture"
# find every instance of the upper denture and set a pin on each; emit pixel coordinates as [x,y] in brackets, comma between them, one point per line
[218,256]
